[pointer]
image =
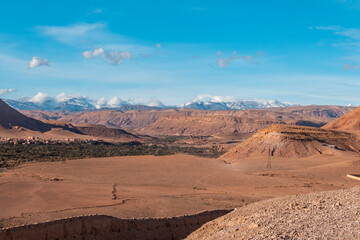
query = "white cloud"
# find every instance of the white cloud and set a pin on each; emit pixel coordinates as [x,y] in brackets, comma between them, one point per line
[6,91]
[223,63]
[94,53]
[154,102]
[158,45]
[62,97]
[87,54]
[114,102]
[39,98]
[114,47]
[101,102]
[356,67]
[114,58]
[37,62]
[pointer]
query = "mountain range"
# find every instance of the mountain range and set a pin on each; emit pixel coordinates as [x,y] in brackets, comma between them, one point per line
[77,104]
[218,103]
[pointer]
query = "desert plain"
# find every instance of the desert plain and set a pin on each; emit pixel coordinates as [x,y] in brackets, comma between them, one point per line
[232,162]
[160,186]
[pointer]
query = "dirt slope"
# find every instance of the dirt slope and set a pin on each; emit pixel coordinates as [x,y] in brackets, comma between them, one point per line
[10,118]
[93,130]
[350,121]
[293,141]
[324,215]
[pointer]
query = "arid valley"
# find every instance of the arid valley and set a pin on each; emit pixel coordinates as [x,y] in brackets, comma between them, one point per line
[216,163]
[172,120]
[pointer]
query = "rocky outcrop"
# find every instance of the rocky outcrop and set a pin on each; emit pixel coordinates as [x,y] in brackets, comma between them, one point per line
[102,227]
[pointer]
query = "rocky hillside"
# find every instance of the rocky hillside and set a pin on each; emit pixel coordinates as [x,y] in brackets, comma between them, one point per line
[190,121]
[93,130]
[10,118]
[104,132]
[293,141]
[109,118]
[206,125]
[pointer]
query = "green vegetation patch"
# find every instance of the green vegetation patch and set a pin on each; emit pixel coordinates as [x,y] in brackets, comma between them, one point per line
[14,154]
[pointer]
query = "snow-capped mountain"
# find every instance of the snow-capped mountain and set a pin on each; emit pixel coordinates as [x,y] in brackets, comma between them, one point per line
[72,104]
[219,103]
[75,104]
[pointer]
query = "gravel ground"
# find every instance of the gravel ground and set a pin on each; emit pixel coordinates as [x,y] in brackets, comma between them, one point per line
[323,215]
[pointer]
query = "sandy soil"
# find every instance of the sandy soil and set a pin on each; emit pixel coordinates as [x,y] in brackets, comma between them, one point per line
[149,186]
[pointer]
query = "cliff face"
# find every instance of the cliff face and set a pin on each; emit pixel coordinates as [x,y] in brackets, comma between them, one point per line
[102,227]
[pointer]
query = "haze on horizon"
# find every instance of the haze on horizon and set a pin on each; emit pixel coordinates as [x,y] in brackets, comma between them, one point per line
[304,52]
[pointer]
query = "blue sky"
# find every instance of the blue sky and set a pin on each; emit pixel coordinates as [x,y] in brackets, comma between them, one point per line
[304,51]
